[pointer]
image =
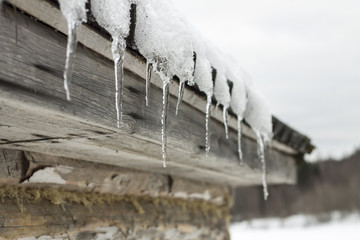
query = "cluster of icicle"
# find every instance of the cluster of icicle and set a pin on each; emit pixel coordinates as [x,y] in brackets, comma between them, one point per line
[173,48]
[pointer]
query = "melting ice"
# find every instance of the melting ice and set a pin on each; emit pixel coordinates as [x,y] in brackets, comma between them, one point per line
[149,69]
[118,47]
[180,96]
[75,13]
[170,54]
[225,119]
[239,119]
[114,16]
[165,106]
[203,78]
[207,121]
[258,116]
[261,155]
[168,43]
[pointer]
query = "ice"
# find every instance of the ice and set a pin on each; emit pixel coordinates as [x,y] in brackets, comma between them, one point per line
[165,106]
[257,114]
[239,119]
[118,47]
[182,85]
[162,36]
[173,48]
[238,103]
[221,90]
[203,78]
[149,69]
[114,16]
[225,119]
[164,39]
[207,122]
[180,96]
[261,155]
[217,108]
[74,12]
[222,95]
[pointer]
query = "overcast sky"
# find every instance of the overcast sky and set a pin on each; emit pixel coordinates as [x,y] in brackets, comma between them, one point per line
[303,55]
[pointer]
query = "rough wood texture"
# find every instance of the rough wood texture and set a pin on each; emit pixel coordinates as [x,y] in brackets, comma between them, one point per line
[25,168]
[13,166]
[35,116]
[23,215]
[48,13]
[91,201]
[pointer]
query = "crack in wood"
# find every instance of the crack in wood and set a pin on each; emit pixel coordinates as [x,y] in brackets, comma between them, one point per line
[34,140]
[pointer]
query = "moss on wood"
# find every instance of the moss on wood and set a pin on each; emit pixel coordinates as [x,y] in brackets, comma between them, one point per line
[58,196]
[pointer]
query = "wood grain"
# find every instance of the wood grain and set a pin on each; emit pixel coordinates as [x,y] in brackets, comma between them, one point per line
[35,116]
[23,215]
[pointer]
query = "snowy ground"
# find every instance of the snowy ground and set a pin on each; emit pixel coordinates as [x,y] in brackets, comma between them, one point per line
[299,227]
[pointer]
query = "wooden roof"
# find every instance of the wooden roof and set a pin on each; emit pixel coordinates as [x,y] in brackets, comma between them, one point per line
[35,116]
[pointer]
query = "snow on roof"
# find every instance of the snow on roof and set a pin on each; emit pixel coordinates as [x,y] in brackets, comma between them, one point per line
[173,48]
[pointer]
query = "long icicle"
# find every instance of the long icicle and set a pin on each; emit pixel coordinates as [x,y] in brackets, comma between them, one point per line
[225,119]
[207,122]
[70,54]
[149,68]
[180,96]
[118,50]
[261,155]
[165,106]
[239,119]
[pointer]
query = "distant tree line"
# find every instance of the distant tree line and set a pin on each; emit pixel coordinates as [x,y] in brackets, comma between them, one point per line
[321,188]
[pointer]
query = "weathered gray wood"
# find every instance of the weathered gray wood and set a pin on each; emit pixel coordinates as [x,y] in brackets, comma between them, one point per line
[50,15]
[24,168]
[35,116]
[53,212]
[13,166]
[63,198]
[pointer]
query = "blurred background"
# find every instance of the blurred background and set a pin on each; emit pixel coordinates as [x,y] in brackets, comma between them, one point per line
[304,56]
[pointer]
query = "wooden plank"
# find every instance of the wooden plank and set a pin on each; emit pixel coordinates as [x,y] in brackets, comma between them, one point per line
[12,166]
[91,200]
[49,14]
[94,199]
[35,212]
[34,115]
[26,168]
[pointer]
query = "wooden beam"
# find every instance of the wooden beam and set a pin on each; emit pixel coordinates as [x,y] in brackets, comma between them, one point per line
[35,116]
[89,37]
[33,169]
[58,214]
[63,198]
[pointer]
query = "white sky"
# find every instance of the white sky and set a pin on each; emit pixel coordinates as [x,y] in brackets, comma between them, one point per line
[304,56]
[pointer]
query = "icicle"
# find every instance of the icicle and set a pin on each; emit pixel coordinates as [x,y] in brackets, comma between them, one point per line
[217,108]
[164,119]
[261,155]
[180,95]
[239,119]
[70,54]
[207,136]
[75,14]
[225,119]
[118,51]
[149,68]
